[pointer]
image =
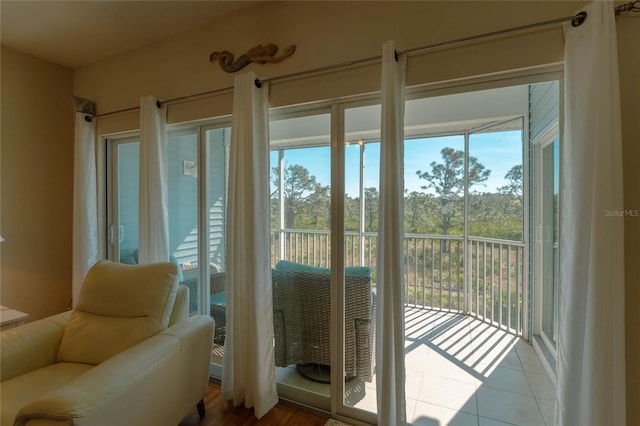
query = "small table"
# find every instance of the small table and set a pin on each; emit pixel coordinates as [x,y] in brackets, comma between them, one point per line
[10,318]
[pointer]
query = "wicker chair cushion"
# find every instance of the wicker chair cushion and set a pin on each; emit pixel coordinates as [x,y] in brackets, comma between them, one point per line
[285,265]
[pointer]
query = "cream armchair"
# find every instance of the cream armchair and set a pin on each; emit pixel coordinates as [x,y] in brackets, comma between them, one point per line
[128,354]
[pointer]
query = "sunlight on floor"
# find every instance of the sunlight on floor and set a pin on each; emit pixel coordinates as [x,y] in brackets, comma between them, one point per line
[460,371]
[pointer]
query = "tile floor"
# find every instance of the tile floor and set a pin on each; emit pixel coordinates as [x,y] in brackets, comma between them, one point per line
[460,371]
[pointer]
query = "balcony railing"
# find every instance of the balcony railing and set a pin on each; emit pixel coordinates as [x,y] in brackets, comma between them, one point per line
[486,280]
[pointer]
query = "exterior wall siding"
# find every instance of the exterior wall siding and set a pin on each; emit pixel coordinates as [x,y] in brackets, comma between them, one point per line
[183,197]
[543,107]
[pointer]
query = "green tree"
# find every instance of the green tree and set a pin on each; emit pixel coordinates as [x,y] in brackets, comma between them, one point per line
[371,202]
[447,180]
[351,213]
[416,212]
[305,200]
[514,187]
[495,215]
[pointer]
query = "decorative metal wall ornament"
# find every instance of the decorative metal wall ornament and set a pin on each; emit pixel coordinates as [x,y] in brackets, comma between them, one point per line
[259,54]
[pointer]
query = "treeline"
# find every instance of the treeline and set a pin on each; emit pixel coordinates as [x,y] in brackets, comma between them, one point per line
[491,215]
[306,203]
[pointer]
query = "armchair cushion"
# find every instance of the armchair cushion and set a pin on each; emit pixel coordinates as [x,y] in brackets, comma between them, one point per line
[119,306]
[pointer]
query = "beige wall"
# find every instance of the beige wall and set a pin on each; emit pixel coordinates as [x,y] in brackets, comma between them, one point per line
[36,184]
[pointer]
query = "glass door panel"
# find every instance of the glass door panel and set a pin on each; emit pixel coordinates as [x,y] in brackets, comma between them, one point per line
[550,192]
[124,229]
[495,175]
[361,201]
[214,222]
[182,150]
[301,256]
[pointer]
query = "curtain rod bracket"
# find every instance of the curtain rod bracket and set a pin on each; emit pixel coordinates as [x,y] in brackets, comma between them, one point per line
[158,104]
[87,118]
[258,83]
[579,19]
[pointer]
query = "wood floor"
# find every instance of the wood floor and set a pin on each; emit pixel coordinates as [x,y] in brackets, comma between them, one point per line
[220,412]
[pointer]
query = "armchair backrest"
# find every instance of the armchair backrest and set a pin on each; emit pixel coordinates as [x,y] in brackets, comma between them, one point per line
[119,306]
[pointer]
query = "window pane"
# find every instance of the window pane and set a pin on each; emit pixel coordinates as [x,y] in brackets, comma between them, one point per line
[495,183]
[362,176]
[301,203]
[182,157]
[371,185]
[434,185]
[352,155]
[301,209]
[550,246]
[217,141]
[128,201]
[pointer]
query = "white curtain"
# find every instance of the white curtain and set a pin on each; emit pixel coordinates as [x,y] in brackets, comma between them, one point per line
[249,364]
[85,208]
[591,353]
[390,372]
[153,238]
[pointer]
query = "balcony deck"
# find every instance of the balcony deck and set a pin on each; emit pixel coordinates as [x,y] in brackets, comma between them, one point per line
[460,371]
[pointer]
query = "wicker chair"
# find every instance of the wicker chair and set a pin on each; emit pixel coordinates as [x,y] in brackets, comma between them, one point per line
[217,309]
[301,319]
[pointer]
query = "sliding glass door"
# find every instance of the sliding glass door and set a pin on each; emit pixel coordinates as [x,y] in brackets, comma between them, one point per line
[547,219]
[124,189]
[197,217]
[301,255]
[361,141]
[465,241]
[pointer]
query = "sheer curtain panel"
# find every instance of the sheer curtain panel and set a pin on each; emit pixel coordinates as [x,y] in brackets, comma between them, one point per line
[248,364]
[85,208]
[591,353]
[390,372]
[154,213]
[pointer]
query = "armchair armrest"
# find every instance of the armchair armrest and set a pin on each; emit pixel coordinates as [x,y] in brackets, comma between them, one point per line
[115,391]
[31,346]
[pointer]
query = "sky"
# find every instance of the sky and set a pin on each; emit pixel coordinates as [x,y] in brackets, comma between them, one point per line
[498,152]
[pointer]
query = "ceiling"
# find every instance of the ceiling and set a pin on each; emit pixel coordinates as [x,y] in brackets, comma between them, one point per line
[80,32]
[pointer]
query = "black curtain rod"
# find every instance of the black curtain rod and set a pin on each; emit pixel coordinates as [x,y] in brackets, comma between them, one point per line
[576,20]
